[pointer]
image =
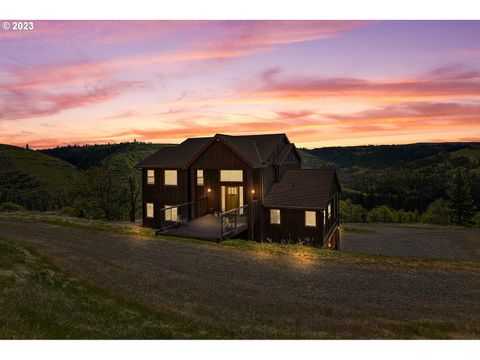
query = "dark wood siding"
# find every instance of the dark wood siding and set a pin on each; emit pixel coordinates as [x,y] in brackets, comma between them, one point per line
[292,227]
[160,194]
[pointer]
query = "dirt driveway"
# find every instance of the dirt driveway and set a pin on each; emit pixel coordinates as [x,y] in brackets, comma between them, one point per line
[256,294]
[425,242]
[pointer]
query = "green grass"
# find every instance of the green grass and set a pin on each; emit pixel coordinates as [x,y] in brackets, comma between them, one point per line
[54,173]
[40,302]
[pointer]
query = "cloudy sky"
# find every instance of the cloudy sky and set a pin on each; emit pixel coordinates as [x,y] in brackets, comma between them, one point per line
[324,83]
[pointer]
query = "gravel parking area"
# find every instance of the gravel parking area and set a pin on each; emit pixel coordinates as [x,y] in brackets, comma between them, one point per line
[425,242]
[260,295]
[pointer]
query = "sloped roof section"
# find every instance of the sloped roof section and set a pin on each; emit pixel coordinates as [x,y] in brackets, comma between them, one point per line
[254,149]
[175,156]
[302,189]
[283,154]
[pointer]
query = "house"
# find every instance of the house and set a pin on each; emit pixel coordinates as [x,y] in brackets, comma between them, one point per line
[223,186]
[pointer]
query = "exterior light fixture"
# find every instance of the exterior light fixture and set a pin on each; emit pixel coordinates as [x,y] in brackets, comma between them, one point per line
[209,190]
[253,191]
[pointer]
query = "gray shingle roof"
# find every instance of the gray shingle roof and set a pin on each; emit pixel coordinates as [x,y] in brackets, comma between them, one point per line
[302,189]
[255,149]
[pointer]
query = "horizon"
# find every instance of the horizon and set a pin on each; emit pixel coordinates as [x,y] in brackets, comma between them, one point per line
[324,83]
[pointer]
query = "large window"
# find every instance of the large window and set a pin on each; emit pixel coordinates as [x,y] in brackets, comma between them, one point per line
[171,214]
[150,177]
[310,218]
[171,177]
[200,179]
[274,216]
[149,210]
[231,175]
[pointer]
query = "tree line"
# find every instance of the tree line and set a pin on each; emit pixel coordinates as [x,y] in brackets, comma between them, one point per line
[458,208]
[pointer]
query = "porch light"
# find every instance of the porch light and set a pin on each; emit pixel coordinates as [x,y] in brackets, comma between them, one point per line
[209,190]
[253,191]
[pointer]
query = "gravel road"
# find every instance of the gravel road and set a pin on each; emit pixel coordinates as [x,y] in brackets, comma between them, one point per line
[425,242]
[254,294]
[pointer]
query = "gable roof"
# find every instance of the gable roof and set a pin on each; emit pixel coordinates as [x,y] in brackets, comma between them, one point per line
[255,150]
[175,156]
[302,189]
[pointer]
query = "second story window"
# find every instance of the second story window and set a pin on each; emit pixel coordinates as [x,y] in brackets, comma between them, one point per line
[231,175]
[170,177]
[200,179]
[150,177]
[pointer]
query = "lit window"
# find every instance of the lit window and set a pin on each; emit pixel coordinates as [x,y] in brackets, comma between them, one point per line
[329,210]
[231,175]
[150,177]
[149,210]
[310,218]
[171,214]
[200,180]
[170,177]
[274,216]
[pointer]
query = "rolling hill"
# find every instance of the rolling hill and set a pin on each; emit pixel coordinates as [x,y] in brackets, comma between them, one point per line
[34,180]
[406,177]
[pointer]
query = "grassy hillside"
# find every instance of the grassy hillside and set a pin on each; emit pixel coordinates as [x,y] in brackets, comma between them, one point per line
[88,156]
[33,179]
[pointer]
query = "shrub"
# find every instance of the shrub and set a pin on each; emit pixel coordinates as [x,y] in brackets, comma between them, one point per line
[351,212]
[69,211]
[10,207]
[476,220]
[384,214]
[438,212]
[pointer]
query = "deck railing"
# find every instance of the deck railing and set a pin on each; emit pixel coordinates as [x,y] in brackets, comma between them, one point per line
[181,214]
[236,220]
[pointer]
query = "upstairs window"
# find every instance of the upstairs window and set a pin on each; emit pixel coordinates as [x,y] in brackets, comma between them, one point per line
[149,210]
[200,179]
[171,177]
[150,177]
[274,216]
[231,175]
[310,218]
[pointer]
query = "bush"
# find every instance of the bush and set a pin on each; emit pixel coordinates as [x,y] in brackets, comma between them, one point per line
[383,214]
[10,207]
[438,212]
[69,211]
[476,220]
[351,212]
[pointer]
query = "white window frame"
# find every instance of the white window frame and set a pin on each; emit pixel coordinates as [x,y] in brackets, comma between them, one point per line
[150,177]
[329,210]
[310,224]
[231,176]
[165,178]
[150,210]
[274,211]
[200,176]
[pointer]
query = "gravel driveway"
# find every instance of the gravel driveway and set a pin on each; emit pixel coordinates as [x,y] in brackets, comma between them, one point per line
[425,242]
[254,294]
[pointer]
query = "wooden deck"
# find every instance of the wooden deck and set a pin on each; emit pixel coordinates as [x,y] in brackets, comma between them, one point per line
[205,228]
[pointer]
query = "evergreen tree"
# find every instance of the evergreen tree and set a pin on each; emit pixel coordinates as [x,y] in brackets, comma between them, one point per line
[460,199]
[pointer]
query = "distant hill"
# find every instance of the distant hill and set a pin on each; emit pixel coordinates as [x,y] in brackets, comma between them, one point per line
[402,176]
[87,156]
[33,179]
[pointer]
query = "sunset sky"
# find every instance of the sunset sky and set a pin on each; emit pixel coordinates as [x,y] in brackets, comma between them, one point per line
[324,83]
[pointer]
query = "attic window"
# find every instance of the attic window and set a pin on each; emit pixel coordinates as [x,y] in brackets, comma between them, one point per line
[310,218]
[274,216]
[150,177]
[171,177]
[231,175]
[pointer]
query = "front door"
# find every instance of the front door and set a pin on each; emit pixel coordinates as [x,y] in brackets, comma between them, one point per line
[231,198]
